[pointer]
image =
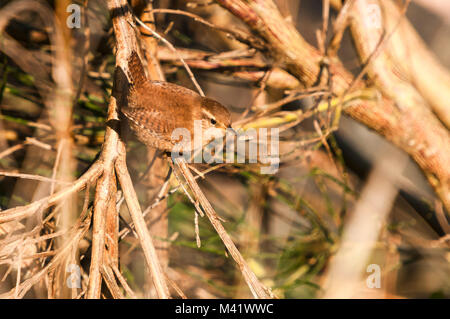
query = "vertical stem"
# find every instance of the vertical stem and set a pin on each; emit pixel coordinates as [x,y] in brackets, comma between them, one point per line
[256,287]
[104,201]
[158,276]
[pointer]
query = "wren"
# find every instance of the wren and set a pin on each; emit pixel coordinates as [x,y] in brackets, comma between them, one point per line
[155,109]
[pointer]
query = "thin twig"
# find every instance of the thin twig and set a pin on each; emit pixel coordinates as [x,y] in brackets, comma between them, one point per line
[238,35]
[108,276]
[256,287]
[79,230]
[20,212]
[11,150]
[33,177]
[191,75]
[123,282]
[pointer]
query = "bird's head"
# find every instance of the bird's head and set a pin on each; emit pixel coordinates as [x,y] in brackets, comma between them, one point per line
[214,114]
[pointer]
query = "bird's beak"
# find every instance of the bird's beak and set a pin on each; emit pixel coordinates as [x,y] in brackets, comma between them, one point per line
[232,129]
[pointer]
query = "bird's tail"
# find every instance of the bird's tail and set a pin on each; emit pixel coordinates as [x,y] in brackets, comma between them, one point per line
[136,71]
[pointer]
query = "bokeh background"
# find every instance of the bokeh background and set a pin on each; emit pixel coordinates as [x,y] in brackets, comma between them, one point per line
[298,228]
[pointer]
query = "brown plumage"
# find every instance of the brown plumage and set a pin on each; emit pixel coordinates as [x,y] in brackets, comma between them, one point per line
[155,109]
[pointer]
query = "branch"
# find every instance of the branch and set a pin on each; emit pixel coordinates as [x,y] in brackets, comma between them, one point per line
[241,65]
[415,130]
[257,288]
[104,200]
[411,59]
[20,212]
[124,30]
[140,226]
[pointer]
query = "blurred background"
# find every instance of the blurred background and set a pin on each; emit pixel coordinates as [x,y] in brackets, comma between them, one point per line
[311,230]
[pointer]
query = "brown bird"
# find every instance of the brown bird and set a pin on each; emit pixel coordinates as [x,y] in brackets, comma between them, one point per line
[156,108]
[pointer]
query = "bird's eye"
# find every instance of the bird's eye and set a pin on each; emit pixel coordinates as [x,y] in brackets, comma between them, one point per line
[213,121]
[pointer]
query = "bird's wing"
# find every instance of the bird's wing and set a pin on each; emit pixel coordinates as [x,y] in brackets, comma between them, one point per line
[173,89]
[149,119]
[175,101]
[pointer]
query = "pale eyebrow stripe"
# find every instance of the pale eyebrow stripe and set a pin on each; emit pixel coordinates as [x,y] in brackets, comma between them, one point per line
[208,114]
